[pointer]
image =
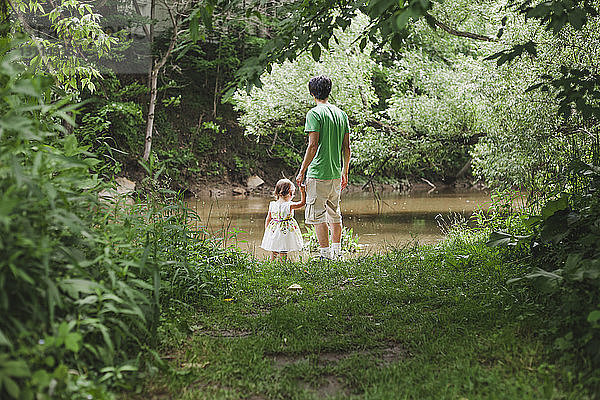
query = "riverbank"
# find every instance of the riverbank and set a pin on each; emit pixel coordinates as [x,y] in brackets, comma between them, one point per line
[224,188]
[434,322]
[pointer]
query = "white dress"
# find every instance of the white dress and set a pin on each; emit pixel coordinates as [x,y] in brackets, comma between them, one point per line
[283,233]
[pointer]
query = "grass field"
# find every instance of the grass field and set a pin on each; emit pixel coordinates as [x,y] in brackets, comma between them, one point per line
[436,322]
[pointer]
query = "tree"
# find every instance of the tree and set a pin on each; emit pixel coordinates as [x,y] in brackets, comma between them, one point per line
[68,38]
[310,25]
[178,11]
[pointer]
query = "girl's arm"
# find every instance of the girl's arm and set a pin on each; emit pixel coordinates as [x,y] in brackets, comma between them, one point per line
[302,201]
[268,219]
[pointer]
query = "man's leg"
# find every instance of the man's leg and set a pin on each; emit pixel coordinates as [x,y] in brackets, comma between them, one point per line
[334,218]
[315,214]
[336,239]
[336,232]
[322,231]
[322,234]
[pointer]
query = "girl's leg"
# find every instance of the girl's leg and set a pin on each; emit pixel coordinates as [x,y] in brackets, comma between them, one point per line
[274,255]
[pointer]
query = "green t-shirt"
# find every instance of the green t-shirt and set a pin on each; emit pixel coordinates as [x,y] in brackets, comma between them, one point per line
[332,125]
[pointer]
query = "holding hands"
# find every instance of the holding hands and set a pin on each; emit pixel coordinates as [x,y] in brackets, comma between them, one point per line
[300,180]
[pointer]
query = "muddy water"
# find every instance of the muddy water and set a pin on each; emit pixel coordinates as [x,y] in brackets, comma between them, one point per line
[389,219]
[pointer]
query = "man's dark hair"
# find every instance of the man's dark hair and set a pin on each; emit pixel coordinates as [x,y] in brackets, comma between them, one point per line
[320,87]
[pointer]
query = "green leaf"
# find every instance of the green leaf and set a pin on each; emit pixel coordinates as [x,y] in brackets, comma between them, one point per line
[11,387]
[594,316]
[206,15]
[128,367]
[396,42]
[377,7]
[548,279]
[532,221]
[499,239]
[555,228]
[63,330]
[75,286]
[40,378]
[577,18]
[4,341]
[316,52]
[72,341]
[363,44]
[553,206]
[194,29]
[402,18]
[16,369]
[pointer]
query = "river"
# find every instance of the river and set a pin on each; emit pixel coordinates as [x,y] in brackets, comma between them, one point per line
[389,219]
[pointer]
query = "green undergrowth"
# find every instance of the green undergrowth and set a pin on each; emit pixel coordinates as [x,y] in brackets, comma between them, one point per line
[425,322]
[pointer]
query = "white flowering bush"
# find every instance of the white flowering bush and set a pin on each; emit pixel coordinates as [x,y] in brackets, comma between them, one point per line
[280,105]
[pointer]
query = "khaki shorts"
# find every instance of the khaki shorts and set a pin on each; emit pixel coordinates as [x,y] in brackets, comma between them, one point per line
[322,201]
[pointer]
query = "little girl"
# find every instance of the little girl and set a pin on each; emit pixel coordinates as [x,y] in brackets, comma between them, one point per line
[282,233]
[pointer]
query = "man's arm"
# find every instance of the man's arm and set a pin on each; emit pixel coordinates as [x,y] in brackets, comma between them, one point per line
[346,153]
[302,202]
[311,151]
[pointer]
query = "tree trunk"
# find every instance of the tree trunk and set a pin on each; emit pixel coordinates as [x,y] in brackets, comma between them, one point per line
[151,42]
[155,70]
[151,107]
[463,171]
[216,94]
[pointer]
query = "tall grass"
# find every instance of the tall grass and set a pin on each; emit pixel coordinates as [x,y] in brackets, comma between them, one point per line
[83,284]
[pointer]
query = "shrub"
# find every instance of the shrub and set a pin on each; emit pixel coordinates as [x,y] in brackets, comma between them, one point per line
[82,283]
[564,266]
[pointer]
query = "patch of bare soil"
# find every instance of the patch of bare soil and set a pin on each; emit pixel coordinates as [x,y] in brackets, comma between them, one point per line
[229,333]
[201,388]
[330,386]
[261,312]
[393,353]
[331,357]
[225,333]
[334,357]
[282,360]
[155,395]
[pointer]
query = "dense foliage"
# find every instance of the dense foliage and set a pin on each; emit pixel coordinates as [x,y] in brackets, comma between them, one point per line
[442,102]
[560,246]
[89,288]
[274,114]
[82,282]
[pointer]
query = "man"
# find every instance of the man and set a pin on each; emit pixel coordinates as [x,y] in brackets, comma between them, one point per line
[328,141]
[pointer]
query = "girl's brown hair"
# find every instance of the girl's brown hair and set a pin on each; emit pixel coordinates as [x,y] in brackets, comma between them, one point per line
[282,188]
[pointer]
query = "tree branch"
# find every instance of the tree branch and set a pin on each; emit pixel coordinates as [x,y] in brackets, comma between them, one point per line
[455,32]
[35,41]
[175,21]
[137,9]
